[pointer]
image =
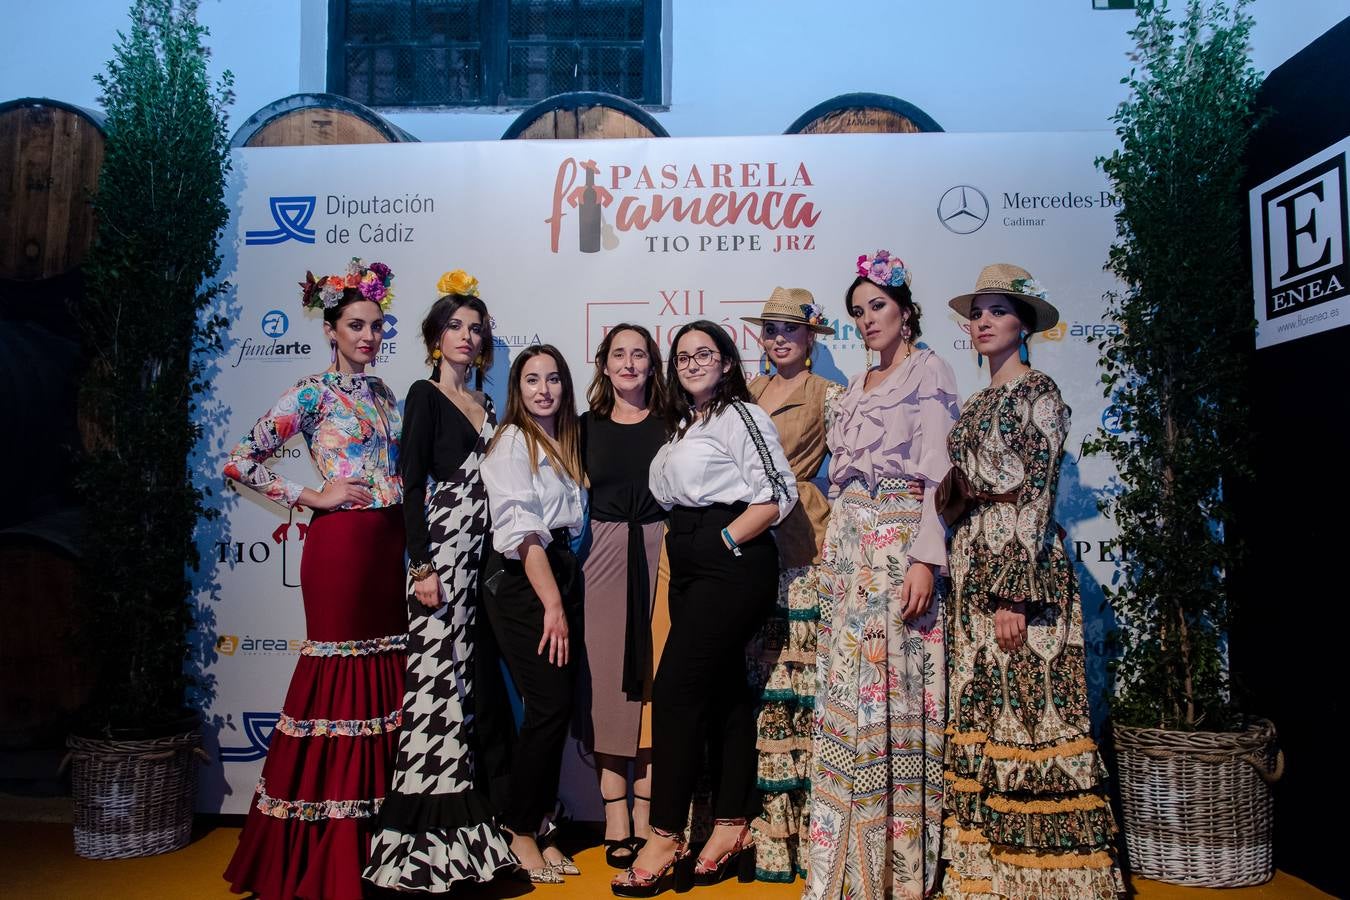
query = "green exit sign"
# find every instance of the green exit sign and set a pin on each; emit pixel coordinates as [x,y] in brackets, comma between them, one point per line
[1113,4]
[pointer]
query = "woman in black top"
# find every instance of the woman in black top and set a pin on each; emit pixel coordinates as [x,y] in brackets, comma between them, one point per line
[620,435]
[435,829]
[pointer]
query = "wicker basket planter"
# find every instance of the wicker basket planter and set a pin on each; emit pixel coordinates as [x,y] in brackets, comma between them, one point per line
[133,798]
[1197,805]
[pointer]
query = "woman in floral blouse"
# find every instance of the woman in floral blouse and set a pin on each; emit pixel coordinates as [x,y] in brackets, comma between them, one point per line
[331,755]
[1026,813]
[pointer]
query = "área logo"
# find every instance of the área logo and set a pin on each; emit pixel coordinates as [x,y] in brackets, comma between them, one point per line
[1057,333]
[274,323]
[291,215]
[227,644]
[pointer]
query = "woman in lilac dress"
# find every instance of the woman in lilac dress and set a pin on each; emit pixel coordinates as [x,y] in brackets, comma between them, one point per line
[876,790]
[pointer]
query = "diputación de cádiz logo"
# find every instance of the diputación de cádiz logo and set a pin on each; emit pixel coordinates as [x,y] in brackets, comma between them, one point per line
[257,728]
[291,215]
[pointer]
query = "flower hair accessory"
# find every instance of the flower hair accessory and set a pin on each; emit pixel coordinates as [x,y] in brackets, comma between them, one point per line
[1029,286]
[884,269]
[458,282]
[814,314]
[371,281]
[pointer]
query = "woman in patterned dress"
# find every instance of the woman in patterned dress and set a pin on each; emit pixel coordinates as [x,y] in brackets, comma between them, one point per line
[331,755]
[1027,814]
[876,789]
[435,829]
[782,656]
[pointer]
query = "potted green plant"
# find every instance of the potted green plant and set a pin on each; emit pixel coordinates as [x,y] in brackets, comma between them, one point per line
[146,323]
[1193,773]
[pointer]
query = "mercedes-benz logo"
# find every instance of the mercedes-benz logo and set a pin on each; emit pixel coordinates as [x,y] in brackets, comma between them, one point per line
[963,209]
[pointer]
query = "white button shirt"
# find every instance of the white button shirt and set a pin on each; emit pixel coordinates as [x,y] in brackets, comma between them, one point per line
[717,461]
[525,502]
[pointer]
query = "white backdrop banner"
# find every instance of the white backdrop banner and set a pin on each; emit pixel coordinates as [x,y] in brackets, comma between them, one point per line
[569,238]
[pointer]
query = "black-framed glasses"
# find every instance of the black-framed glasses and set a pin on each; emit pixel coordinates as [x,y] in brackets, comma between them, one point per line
[702,357]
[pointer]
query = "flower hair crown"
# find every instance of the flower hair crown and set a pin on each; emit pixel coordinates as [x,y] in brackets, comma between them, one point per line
[884,269]
[458,282]
[372,281]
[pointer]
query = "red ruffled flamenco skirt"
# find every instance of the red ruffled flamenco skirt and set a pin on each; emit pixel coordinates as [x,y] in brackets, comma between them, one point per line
[331,757]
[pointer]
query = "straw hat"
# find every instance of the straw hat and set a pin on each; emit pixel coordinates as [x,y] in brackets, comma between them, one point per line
[1014,281]
[792,305]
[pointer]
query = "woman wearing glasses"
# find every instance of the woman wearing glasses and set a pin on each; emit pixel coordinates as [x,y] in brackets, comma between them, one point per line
[725,480]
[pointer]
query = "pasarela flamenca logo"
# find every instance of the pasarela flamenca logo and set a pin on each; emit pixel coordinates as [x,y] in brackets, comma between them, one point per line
[609,202]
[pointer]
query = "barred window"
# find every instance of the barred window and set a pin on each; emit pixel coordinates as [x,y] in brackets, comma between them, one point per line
[492,52]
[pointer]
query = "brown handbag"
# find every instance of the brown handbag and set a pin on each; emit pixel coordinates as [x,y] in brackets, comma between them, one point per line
[955,496]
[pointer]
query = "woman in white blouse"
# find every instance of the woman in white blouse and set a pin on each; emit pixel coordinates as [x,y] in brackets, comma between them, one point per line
[725,480]
[532,588]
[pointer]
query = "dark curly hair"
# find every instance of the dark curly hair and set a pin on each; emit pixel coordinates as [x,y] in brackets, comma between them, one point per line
[730,387]
[901,295]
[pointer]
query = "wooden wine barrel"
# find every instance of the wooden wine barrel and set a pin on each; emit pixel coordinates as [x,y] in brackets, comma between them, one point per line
[863,114]
[50,157]
[584,115]
[43,680]
[310,120]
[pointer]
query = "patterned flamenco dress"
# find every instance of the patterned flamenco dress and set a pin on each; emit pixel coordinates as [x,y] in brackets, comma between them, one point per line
[435,829]
[1027,815]
[331,755]
[782,657]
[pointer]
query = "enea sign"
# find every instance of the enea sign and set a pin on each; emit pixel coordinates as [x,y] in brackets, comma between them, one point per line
[1301,248]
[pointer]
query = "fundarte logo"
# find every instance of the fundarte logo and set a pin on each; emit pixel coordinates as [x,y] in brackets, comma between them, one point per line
[677,207]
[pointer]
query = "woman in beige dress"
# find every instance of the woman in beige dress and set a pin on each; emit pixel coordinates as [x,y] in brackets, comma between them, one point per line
[782,657]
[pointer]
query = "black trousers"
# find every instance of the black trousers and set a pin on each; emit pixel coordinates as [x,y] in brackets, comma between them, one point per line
[517,619]
[701,698]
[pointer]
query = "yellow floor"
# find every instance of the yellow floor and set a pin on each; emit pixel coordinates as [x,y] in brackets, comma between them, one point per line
[37,862]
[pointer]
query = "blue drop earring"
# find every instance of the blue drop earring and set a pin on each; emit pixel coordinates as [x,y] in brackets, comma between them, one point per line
[979,360]
[1022,352]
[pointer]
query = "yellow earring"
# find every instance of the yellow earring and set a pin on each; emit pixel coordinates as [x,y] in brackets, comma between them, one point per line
[808,363]
[768,369]
[436,354]
[478,361]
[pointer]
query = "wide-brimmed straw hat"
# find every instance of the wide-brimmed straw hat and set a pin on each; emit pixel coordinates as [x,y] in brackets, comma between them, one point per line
[792,305]
[1014,281]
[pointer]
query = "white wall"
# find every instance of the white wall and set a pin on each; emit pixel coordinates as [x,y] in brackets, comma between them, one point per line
[736,67]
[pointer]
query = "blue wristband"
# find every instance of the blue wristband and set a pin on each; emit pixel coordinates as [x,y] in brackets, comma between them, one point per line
[731,543]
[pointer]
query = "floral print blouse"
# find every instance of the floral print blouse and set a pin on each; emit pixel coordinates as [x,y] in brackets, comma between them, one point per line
[1010,439]
[351,423]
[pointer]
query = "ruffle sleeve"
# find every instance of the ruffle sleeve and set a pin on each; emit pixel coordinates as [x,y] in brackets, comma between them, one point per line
[762,463]
[937,411]
[516,508]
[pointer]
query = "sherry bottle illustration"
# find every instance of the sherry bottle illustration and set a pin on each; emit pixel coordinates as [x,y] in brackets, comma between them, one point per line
[588,214]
